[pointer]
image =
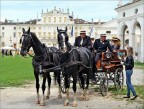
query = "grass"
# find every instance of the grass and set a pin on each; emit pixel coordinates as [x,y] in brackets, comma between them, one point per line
[139,65]
[139,90]
[15,71]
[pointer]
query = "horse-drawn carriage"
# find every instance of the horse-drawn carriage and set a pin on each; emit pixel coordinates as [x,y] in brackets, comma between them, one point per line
[109,67]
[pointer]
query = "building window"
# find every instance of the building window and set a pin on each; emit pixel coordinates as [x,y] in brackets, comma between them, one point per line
[49,19]
[123,14]
[54,19]
[75,28]
[2,28]
[136,11]
[14,35]
[44,19]
[39,28]
[14,28]
[49,35]
[80,27]
[2,34]
[19,34]
[44,34]
[54,35]
[108,32]
[39,34]
[76,34]
[64,19]
[60,19]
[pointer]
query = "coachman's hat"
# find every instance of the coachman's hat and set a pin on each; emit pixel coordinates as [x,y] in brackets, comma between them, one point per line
[102,35]
[82,32]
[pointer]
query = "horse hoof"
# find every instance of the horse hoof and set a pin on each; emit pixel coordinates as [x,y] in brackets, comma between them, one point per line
[74,104]
[42,104]
[59,96]
[86,98]
[47,97]
[81,98]
[66,103]
[37,102]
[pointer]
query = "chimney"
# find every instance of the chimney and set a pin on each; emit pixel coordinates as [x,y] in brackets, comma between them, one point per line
[120,3]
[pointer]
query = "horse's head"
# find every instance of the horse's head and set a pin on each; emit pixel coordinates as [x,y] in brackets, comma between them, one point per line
[62,39]
[26,41]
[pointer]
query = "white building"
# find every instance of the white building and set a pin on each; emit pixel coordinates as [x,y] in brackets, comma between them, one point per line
[46,27]
[131,26]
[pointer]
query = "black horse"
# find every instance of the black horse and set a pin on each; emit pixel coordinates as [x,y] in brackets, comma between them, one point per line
[74,63]
[45,58]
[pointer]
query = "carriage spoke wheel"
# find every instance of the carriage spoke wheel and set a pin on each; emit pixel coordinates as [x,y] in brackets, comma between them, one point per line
[118,79]
[103,84]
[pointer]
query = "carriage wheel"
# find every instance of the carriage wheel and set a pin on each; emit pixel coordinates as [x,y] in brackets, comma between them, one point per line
[103,85]
[63,84]
[118,79]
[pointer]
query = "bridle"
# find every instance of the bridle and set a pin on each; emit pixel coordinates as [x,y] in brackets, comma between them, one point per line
[63,34]
[29,41]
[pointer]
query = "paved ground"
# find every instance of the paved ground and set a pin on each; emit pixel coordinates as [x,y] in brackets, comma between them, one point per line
[24,98]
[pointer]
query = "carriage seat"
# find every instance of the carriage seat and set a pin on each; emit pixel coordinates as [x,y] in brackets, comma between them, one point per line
[103,61]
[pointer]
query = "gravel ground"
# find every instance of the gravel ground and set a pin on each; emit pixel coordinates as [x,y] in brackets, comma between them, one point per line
[24,98]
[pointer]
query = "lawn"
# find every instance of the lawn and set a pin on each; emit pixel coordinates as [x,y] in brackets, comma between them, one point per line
[139,65]
[139,90]
[15,71]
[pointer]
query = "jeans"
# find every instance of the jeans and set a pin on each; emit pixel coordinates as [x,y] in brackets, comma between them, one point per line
[129,84]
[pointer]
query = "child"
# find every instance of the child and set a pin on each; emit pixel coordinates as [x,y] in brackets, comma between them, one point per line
[129,64]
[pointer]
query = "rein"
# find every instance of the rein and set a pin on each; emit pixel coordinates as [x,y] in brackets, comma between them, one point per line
[67,64]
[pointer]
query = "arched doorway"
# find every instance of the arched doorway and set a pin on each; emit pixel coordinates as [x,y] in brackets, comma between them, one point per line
[125,38]
[136,29]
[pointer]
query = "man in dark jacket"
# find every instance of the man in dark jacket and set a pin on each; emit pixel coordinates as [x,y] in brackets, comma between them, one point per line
[101,45]
[83,40]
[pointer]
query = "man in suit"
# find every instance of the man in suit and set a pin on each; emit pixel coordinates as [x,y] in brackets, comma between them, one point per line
[101,45]
[83,40]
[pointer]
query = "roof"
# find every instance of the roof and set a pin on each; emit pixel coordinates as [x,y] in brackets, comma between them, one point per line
[10,22]
[128,4]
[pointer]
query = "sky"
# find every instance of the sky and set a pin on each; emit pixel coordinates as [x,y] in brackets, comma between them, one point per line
[85,9]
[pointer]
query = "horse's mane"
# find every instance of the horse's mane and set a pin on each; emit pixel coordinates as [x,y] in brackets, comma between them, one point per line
[35,37]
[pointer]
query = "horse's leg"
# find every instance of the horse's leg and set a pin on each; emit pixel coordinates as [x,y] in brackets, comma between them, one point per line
[55,77]
[59,83]
[82,85]
[37,87]
[87,85]
[74,104]
[49,84]
[67,85]
[42,103]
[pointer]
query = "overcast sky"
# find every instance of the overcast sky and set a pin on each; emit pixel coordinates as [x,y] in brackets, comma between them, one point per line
[87,10]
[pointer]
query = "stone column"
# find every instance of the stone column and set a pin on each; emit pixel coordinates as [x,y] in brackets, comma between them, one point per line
[142,40]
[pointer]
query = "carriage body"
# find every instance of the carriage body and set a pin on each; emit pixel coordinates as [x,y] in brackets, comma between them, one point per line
[111,67]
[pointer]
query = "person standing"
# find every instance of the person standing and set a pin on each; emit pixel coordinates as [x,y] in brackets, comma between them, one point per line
[2,52]
[129,64]
[115,43]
